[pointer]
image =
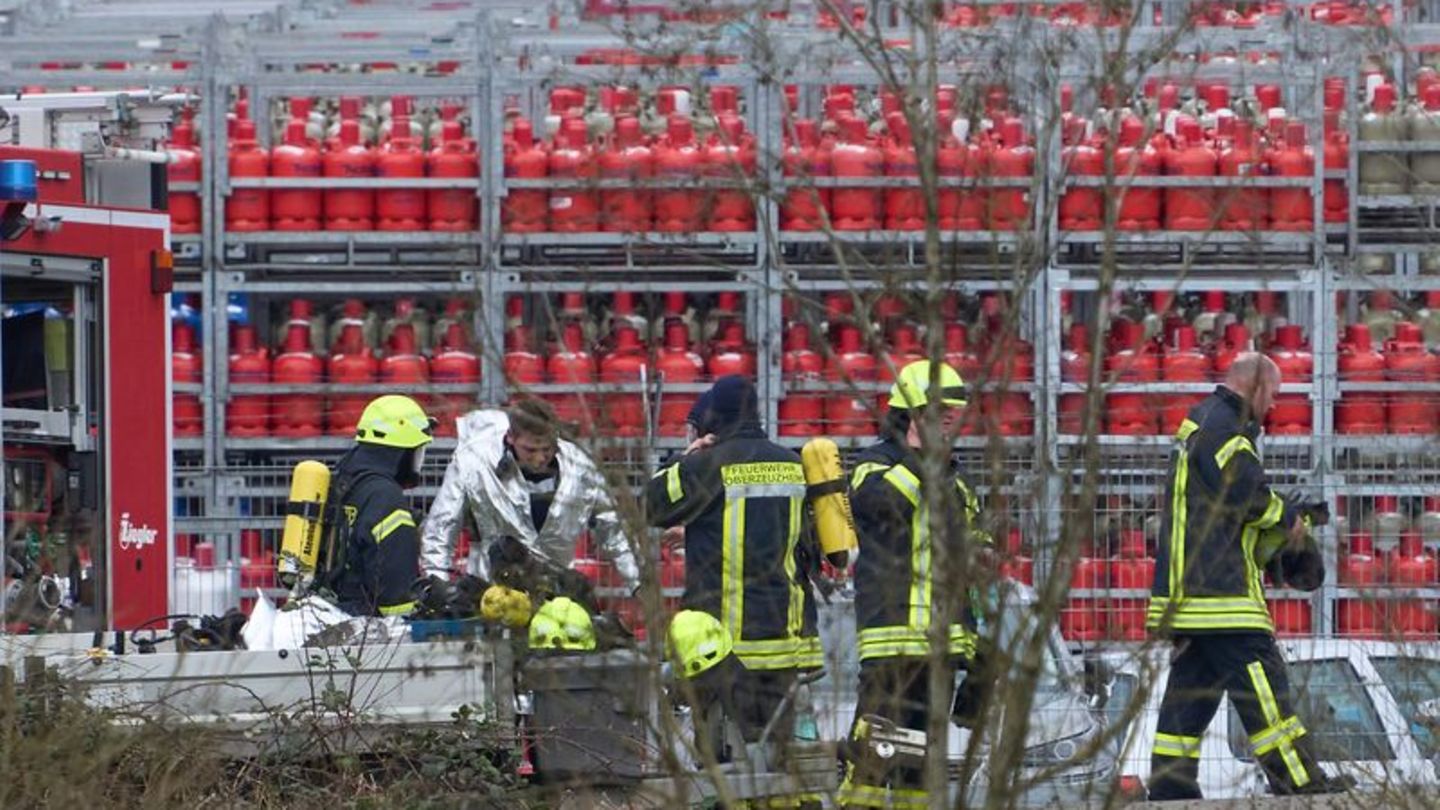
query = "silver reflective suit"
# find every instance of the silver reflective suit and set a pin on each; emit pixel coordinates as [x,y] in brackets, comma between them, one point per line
[479,479]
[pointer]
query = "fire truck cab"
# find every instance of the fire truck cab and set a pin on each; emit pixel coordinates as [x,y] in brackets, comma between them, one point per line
[85,278]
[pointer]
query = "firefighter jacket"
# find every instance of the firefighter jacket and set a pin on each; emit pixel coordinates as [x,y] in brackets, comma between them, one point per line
[484,481]
[894,573]
[1217,503]
[884,454]
[375,535]
[749,547]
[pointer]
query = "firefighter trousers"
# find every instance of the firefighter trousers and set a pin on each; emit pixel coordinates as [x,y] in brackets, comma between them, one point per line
[896,689]
[750,699]
[1248,667]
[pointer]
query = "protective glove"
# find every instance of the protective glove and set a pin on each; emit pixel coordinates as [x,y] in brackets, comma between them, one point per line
[432,596]
[1316,510]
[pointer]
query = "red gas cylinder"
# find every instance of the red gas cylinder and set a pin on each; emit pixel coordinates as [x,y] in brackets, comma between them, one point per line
[1182,362]
[800,414]
[452,209]
[523,367]
[730,354]
[1242,208]
[1292,617]
[571,364]
[350,209]
[1013,159]
[904,205]
[1360,412]
[1135,156]
[1292,209]
[1359,616]
[453,364]
[1082,619]
[184,167]
[295,209]
[1081,208]
[404,365]
[627,210]
[1337,158]
[677,364]
[905,349]
[856,209]
[678,162]
[185,368]
[1190,209]
[575,209]
[731,158]
[298,414]
[1291,413]
[525,210]
[1074,369]
[1407,360]
[1234,342]
[1133,569]
[1010,357]
[247,414]
[1413,565]
[958,354]
[803,206]
[848,410]
[1017,565]
[1132,360]
[951,164]
[624,413]
[400,209]
[247,209]
[350,363]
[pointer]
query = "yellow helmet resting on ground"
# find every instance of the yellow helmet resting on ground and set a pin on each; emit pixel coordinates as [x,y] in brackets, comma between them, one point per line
[395,421]
[697,642]
[912,386]
[506,606]
[562,624]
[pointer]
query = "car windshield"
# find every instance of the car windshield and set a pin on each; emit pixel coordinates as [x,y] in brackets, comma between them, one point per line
[1338,714]
[1413,681]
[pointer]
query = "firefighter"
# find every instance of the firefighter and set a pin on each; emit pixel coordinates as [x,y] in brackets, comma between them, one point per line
[529,492]
[748,555]
[1209,599]
[895,588]
[377,545]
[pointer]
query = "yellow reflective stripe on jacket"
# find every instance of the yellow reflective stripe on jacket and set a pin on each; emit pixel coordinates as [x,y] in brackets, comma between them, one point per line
[391,522]
[1176,745]
[732,566]
[397,610]
[1236,444]
[1270,710]
[1208,613]
[1179,511]
[673,489]
[864,470]
[911,642]
[808,653]
[796,613]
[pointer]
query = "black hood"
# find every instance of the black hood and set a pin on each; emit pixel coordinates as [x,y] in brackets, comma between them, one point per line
[391,462]
[729,408]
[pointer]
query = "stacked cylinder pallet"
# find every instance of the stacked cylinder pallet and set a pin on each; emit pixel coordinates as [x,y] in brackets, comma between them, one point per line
[343,348]
[1205,135]
[1398,345]
[1387,555]
[1183,340]
[624,347]
[314,145]
[843,390]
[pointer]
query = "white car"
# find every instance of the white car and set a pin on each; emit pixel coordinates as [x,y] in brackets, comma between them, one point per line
[1370,709]
[1062,720]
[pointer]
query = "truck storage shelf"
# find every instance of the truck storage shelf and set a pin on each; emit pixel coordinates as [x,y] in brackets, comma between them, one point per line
[643,239]
[1000,238]
[880,387]
[1193,238]
[1167,442]
[1171,388]
[1417,387]
[354,182]
[961,443]
[408,389]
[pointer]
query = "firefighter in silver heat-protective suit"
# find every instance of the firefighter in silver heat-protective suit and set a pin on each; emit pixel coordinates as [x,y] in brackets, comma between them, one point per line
[518,480]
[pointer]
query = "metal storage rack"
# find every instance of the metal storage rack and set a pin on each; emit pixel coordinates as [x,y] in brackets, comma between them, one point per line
[229,483]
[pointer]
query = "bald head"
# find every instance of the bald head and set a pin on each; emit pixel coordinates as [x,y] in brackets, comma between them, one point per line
[1256,378]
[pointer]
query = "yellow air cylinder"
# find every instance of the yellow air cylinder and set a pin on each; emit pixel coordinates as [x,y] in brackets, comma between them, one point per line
[825,484]
[304,526]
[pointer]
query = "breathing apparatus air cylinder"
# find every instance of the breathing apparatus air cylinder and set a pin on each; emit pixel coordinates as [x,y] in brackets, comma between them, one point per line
[304,524]
[825,488]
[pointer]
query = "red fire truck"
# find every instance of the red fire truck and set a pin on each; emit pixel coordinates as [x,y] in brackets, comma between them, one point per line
[85,277]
